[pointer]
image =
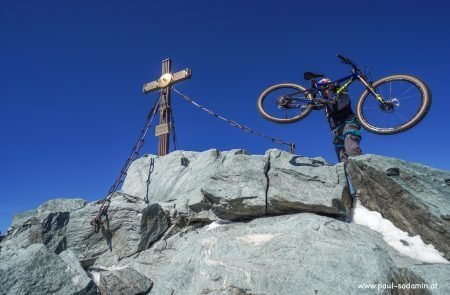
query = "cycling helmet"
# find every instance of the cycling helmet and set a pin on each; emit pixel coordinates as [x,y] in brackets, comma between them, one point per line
[324,80]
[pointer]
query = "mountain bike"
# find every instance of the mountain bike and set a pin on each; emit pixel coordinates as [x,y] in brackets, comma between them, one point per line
[391,105]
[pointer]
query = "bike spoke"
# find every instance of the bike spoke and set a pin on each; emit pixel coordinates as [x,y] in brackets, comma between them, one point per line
[408,109]
[409,96]
[402,116]
[407,90]
[388,120]
[390,90]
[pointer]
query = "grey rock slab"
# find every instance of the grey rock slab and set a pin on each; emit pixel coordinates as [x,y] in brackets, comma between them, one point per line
[46,225]
[161,290]
[299,184]
[230,184]
[130,226]
[154,223]
[292,254]
[233,185]
[53,229]
[36,270]
[416,198]
[61,205]
[71,259]
[50,206]
[119,235]
[121,281]
[22,217]
[26,234]
[49,230]
[431,279]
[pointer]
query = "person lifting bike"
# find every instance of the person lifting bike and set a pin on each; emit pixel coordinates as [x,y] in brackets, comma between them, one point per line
[388,106]
[343,122]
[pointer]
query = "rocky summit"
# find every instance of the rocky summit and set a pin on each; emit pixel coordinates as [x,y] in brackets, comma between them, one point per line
[226,222]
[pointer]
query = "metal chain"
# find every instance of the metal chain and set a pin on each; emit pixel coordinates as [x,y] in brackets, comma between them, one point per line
[103,211]
[174,136]
[237,125]
[151,167]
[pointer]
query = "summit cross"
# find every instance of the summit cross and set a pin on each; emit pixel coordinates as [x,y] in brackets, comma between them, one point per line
[164,83]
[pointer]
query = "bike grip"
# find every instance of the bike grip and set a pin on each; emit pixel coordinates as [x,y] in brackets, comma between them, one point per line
[341,57]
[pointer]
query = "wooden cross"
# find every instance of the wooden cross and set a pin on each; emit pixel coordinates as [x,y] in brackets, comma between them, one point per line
[164,83]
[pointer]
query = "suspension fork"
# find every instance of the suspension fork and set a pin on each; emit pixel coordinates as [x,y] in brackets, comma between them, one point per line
[371,89]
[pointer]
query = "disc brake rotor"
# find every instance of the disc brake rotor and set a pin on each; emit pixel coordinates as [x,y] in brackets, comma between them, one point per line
[391,105]
[282,102]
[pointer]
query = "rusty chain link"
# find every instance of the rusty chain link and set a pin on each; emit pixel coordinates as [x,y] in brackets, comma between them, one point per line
[103,211]
[236,124]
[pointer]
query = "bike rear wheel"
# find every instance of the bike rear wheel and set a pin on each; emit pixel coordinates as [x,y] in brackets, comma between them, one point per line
[407,98]
[284,103]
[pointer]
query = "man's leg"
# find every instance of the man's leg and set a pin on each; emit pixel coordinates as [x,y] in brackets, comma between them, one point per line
[351,145]
[352,138]
[338,142]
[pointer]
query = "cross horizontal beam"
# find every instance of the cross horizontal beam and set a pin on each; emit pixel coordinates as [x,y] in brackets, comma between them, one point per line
[174,78]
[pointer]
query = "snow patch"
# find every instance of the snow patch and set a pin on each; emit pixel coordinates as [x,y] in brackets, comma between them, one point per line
[100,268]
[217,223]
[413,247]
[96,271]
[96,277]
[117,267]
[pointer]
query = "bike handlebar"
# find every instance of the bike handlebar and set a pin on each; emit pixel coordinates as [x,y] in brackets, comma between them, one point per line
[343,58]
[346,61]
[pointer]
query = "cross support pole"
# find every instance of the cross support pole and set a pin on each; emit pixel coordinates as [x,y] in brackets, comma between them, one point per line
[164,84]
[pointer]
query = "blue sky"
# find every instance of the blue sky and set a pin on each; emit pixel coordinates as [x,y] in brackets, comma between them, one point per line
[71,74]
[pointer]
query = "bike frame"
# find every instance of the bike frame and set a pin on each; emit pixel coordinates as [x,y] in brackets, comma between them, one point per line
[317,88]
[356,75]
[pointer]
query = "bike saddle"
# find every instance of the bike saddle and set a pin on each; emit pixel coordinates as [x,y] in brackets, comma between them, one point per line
[310,75]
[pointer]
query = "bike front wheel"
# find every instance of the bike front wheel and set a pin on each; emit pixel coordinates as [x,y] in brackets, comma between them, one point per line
[407,100]
[284,103]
